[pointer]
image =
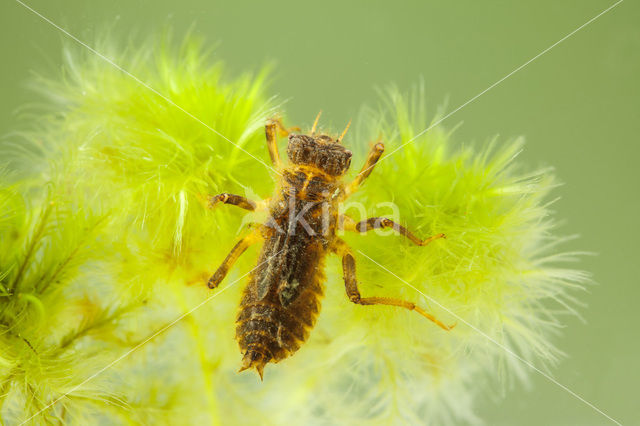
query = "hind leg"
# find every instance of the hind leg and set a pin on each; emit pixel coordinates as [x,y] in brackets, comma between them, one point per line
[237,250]
[351,286]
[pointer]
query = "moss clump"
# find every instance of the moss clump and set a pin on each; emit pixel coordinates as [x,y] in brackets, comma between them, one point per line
[105,241]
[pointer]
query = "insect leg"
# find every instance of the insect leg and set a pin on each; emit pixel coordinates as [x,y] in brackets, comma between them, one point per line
[233,255]
[372,159]
[382,222]
[284,131]
[351,285]
[236,200]
[272,129]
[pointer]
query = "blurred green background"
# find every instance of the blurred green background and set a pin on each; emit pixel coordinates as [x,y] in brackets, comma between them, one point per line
[578,106]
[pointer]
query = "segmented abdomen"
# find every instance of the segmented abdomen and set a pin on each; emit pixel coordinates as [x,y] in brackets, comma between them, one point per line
[272,331]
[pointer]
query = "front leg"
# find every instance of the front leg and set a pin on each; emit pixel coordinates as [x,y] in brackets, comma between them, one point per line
[372,159]
[351,286]
[382,222]
[272,129]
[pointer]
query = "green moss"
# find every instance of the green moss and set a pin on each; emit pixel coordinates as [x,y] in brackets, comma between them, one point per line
[105,241]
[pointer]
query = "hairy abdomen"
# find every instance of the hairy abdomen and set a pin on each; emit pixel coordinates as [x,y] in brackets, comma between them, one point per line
[282,300]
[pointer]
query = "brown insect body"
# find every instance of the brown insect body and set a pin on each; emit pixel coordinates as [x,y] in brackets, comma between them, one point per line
[282,300]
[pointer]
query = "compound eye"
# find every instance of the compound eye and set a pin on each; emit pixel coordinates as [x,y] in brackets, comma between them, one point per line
[348,164]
